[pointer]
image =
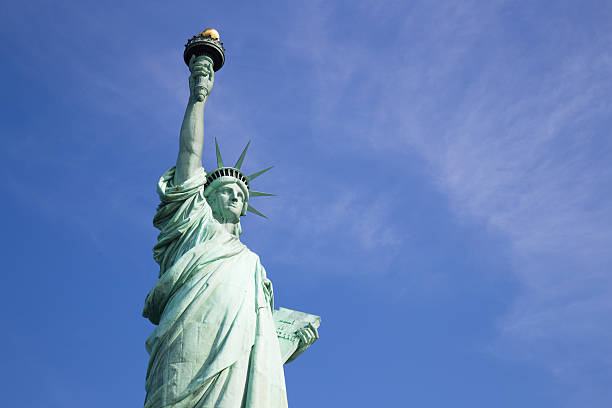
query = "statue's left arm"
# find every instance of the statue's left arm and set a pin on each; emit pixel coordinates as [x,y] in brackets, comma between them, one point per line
[307,336]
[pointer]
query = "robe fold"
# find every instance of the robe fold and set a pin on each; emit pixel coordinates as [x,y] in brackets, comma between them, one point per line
[215,343]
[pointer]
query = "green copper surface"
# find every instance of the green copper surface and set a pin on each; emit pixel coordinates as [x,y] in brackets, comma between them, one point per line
[218,152]
[218,342]
[241,158]
[259,173]
[259,194]
[254,211]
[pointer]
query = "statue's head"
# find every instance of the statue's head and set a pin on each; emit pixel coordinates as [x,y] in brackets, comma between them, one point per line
[228,202]
[227,190]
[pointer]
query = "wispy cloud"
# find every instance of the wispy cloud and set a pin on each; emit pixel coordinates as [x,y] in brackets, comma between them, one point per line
[517,138]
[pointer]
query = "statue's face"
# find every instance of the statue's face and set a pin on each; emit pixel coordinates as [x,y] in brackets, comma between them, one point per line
[227,202]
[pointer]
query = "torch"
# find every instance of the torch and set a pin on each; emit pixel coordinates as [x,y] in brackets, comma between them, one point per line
[205,44]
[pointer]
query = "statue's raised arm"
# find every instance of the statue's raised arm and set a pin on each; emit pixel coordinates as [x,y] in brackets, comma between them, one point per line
[191,140]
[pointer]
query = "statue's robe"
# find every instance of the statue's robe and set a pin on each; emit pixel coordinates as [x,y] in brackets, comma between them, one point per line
[215,344]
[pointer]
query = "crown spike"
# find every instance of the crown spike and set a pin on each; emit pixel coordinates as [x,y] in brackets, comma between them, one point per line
[259,173]
[241,158]
[254,211]
[259,194]
[219,159]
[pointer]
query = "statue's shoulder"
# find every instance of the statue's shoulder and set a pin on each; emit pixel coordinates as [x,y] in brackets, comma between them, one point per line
[248,254]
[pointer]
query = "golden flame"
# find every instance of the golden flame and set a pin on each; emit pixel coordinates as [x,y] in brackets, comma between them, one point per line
[210,32]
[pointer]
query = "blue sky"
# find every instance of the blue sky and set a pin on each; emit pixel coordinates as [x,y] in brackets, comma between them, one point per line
[443,177]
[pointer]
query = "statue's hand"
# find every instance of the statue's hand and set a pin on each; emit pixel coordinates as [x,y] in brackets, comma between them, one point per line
[201,78]
[307,336]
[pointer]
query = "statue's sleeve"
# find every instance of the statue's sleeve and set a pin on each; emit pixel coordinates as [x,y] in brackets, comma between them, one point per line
[181,217]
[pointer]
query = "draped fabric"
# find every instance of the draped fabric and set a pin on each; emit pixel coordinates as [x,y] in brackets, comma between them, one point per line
[215,343]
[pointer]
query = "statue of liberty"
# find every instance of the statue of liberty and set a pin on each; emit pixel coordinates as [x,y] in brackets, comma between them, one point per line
[217,342]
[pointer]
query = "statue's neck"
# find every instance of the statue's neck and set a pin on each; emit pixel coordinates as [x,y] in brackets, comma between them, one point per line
[232,228]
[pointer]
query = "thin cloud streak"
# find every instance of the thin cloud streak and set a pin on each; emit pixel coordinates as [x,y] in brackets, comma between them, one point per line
[522,150]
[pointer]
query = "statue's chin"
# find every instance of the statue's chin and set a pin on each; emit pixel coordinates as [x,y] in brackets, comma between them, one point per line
[226,217]
[231,224]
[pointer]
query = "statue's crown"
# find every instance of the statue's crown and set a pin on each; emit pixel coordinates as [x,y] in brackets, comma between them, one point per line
[225,174]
